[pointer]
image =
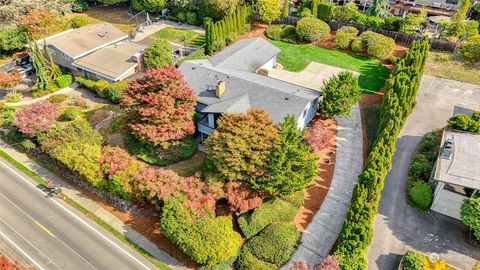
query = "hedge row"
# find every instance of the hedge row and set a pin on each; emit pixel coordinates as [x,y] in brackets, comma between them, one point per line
[224,32]
[376,45]
[398,102]
[104,89]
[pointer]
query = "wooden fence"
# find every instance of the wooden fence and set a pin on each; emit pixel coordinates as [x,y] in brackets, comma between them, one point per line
[400,38]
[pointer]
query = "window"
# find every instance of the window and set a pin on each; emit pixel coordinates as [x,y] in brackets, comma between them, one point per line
[52,51]
[304,113]
[64,56]
[464,191]
[452,2]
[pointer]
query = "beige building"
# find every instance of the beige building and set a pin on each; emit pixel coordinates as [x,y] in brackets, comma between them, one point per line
[457,172]
[432,7]
[98,51]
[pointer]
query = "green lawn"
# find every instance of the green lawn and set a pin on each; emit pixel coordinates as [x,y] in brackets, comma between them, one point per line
[175,35]
[295,57]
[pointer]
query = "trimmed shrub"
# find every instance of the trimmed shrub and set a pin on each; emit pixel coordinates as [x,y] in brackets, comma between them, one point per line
[158,54]
[368,20]
[182,16]
[57,98]
[191,18]
[470,215]
[241,197]
[413,261]
[377,45]
[87,83]
[340,94]
[283,32]
[421,195]
[78,21]
[275,244]
[272,211]
[70,114]
[311,29]
[344,37]
[207,240]
[306,13]
[345,13]
[64,80]
[325,11]
[100,87]
[275,31]
[470,48]
[114,92]
[357,44]
[247,261]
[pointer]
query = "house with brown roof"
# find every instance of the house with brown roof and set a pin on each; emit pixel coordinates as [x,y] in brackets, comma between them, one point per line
[98,51]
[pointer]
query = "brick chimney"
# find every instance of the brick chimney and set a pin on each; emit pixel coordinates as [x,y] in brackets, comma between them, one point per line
[220,89]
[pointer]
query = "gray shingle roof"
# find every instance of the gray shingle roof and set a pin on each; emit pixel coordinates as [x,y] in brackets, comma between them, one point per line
[276,97]
[246,54]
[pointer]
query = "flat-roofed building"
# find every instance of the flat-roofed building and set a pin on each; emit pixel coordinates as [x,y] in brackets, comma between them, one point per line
[457,172]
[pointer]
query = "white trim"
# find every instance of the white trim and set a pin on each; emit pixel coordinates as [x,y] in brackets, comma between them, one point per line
[100,47]
[119,78]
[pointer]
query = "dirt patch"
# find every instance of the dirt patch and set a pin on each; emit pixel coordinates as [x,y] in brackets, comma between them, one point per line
[257,30]
[116,139]
[315,195]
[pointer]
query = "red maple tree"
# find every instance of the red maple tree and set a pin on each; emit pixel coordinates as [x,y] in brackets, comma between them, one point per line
[241,197]
[39,117]
[160,106]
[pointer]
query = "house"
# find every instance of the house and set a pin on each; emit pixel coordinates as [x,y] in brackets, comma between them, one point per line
[228,82]
[457,173]
[98,51]
[432,7]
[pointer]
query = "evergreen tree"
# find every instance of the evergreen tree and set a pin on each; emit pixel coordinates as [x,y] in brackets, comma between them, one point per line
[291,164]
[208,38]
[340,93]
[234,22]
[379,8]
[286,8]
[53,69]
[239,21]
[40,65]
[314,7]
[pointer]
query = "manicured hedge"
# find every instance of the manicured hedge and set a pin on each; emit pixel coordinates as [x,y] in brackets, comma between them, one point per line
[64,80]
[344,37]
[206,240]
[311,29]
[421,195]
[282,32]
[272,211]
[111,91]
[377,45]
[275,244]
[217,34]
[398,102]
[325,11]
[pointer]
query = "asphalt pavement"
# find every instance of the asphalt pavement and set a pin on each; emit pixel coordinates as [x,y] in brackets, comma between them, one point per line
[53,235]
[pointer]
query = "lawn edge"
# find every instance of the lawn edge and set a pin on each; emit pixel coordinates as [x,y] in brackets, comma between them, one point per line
[120,236]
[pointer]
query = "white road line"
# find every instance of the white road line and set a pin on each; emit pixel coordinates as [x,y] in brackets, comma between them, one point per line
[23,252]
[78,218]
[35,221]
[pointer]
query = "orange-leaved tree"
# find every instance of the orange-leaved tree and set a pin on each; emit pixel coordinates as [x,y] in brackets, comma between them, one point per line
[160,106]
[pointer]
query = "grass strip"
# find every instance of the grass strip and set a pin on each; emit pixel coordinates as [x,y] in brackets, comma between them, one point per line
[88,214]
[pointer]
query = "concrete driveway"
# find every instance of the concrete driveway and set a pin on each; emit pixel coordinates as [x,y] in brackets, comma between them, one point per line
[312,76]
[398,227]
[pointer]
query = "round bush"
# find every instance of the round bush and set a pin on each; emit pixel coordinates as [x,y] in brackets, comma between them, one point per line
[78,21]
[357,44]
[100,87]
[158,54]
[311,29]
[57,98]
[114,91]
[421,195]
[283,32]
[70,114]
[344,37]
[247,261]
[64,80]
[413,261]
[470,48]
[275,244]
[378,45]
[275,31]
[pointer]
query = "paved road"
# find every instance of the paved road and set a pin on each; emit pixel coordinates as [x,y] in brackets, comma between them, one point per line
[53,235]
[398,227]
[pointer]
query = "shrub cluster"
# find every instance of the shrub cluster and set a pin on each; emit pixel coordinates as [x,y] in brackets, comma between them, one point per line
[465,123]
[312,29]
[283,32]
[377,45]
[420,170]
[398,102]
[225,31]
[158,54]
[64,80]
[111,91]
[344,37]
[470,215]
[413,261]
[207,240]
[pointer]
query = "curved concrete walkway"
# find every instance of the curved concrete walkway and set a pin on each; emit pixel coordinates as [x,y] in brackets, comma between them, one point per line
[321,234]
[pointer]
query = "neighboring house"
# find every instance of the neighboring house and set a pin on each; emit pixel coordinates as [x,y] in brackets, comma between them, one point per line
[432,7]
[227,82]
[457,172]
[98,51]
